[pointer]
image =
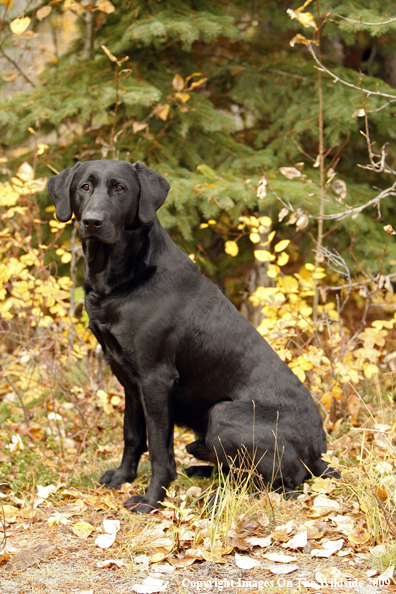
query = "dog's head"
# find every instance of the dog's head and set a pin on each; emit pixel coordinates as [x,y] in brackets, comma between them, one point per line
[107,197]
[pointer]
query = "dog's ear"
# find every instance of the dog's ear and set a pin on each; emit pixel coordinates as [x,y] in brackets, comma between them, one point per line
[153,190]
[59,190]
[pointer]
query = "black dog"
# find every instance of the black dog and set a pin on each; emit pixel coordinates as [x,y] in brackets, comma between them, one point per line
[180,349]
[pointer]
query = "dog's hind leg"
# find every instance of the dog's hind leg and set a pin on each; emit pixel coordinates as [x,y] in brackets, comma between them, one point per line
[199,450]
[279,445]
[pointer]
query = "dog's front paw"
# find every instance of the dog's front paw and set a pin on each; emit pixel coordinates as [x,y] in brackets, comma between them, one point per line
[116,477]
[140,505]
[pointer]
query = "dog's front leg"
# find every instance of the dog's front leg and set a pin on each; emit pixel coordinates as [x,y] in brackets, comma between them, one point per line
[134,443]
[159,422]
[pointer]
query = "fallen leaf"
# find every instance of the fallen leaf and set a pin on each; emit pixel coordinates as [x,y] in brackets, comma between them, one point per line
[345,524]
[259,542]
[104,541]
[9,511]
[149,586]
[110,563]
[297,542]
[329,548]
[280,569]
[358,536]
[111,526]
[386,575]
[323,505]
[279,558]
[324,576]
[4,555]
[158,557]
[193,492]
[109,501]
[82,529]
[31,555]
[213,556]
[181,563]
[244,562]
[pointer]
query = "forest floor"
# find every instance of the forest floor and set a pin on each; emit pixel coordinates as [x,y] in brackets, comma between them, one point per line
[326,539]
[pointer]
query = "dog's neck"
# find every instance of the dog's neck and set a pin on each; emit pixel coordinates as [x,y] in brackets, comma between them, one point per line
[125,262]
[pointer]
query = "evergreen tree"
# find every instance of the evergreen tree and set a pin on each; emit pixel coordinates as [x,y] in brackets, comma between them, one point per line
[212,95]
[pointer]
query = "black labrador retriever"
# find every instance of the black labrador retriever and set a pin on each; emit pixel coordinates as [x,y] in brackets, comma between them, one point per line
[180,349]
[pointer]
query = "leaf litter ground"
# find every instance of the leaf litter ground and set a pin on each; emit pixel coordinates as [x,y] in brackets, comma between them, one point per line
[251,542]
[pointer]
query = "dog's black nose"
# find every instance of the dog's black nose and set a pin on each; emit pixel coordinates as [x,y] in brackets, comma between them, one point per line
[92,221]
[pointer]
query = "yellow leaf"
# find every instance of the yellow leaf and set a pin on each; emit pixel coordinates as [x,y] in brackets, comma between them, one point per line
[370,370]
[109,501]
[183,96]
[358,536]
[25,172]
[7,3]
[282,245]
[299,39]
[212,221]
[197,83]
[158,557]
[263,256]
[82,529]
[66,258]
[305,18]
[203,226]
[10,511]
[299,373]
[43,12]
[162,111]
[178,82]
[265,221]
[283,259]
[41,148]
[273,270]
[138,126]
[105,6]
[254,237]
[108,53]
[18,26]
[231,248]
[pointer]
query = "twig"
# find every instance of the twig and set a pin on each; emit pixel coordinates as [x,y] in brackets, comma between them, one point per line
[365,22]
[344,82]
[18,68]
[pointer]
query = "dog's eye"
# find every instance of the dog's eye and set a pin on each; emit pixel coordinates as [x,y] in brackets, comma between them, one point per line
[119,188]
[85,187]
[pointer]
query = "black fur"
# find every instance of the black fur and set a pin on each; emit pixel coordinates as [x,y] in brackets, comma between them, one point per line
[180,349]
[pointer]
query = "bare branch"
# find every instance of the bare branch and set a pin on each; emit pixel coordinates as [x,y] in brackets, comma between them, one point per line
[11,61]
[364,22]
[344,82]
[349,210]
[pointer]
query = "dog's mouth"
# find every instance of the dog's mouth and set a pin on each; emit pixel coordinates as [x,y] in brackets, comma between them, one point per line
[102,233]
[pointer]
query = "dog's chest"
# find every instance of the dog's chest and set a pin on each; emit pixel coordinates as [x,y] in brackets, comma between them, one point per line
[109,329]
